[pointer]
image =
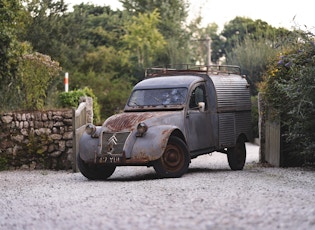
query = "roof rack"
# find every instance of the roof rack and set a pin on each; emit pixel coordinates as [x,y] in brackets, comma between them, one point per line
[189,68]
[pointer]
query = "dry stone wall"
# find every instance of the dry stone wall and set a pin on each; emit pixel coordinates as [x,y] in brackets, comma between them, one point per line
[36,140]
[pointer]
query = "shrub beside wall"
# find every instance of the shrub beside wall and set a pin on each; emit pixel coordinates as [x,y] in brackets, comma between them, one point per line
[36,140]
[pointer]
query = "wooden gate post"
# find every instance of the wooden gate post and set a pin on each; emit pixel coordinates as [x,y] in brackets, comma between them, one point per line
[80,117]
[269,134]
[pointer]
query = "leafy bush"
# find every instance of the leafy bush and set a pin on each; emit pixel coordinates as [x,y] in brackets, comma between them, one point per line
[36,73]
[72,99]
[290,88]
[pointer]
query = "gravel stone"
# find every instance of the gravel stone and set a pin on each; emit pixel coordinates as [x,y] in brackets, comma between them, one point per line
[209,196]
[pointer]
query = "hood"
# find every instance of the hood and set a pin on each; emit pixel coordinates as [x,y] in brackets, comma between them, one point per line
[125,122]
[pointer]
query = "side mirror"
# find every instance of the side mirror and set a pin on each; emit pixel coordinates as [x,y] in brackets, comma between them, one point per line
[201,106]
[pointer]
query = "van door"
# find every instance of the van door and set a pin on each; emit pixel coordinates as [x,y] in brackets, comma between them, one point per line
[198,123]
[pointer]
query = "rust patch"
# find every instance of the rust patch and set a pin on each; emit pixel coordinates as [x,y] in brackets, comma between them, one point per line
[125,121]
[140,158]
[165,132]
[128,121]
[165,136]
[137,161]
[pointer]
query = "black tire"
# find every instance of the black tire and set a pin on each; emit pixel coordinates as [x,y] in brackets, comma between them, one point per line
[175,160]
[95,171]
[237,155]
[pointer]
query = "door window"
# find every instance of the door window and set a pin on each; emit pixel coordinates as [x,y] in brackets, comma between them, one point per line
[198,95]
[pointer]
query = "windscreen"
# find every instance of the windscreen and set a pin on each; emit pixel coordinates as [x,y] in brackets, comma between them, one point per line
[155,97]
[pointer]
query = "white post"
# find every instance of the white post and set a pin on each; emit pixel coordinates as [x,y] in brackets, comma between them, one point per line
[66,82]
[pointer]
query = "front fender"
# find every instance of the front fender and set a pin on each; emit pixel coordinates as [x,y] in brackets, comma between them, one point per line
[151,146]
[89,146]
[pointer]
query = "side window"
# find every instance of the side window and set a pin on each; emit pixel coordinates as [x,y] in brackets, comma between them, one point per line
[198,95]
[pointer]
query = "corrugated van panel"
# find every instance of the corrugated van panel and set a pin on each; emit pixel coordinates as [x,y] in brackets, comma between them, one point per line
[226,129]
[243,123]
[232,93]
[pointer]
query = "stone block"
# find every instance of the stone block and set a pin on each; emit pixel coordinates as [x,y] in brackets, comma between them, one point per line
[18,117]
[69,143]
[7,119]
[68,114]
[56,136]
[55,154]
[44,117]
[26,124]
[23,117]
[25,132]
[62,146]
[57,118]
[67,121]
[67,135]
[51,148]
[18,138]
[59,124]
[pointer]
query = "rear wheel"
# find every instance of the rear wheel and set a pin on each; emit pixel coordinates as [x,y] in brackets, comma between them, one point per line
[95,171]
[175,160]
[237,155]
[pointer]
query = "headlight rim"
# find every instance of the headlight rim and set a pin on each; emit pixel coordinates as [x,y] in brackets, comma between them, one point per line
[90,129]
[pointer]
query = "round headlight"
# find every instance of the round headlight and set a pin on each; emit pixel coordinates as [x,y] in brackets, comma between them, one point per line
[90,129]
[141,129]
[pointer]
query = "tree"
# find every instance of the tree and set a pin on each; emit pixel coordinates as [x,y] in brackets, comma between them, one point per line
[102,26]
[253,57]
[85,29]
[10,49]
[173,12]
[172,27]
[240,28]
[45,27]
[250,44]
[143,38]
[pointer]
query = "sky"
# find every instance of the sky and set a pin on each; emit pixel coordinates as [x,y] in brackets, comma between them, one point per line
[278,13]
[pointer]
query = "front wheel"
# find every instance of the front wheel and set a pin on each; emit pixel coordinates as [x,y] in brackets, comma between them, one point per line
[95,171]
[175,160]
[237,155]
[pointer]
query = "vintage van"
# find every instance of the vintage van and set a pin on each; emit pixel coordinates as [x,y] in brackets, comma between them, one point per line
[171,117]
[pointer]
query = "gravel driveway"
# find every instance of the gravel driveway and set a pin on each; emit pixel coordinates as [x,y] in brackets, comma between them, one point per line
[209,196]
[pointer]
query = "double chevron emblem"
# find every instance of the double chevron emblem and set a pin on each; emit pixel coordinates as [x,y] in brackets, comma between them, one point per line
[111,142]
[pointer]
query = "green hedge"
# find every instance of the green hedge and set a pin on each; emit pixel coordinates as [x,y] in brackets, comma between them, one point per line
[72,99]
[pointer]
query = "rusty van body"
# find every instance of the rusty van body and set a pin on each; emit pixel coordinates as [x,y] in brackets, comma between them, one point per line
[171,117]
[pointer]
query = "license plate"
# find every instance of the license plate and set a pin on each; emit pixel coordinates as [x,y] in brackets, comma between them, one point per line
[110,159]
